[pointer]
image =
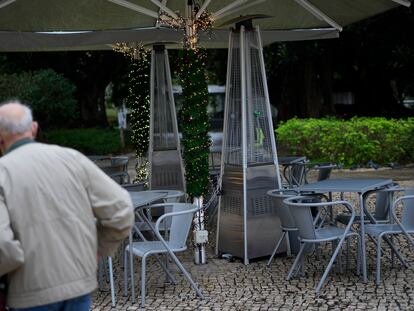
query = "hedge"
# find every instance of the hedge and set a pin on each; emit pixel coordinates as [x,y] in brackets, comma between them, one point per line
[89,141]
[350,142]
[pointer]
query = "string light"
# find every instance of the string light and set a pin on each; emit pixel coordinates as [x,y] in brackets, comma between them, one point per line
[196,141]
[202,23]
[133,50]
[138,100]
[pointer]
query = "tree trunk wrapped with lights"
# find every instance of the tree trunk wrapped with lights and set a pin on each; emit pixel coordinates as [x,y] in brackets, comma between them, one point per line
[138,101]
[194,121]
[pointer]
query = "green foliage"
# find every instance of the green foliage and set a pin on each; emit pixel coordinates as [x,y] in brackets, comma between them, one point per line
[355,141]
[139,101]
[194,120]
[50,95]
[86,140]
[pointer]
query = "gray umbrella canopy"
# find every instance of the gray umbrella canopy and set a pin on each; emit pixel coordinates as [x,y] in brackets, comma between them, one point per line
[100,22]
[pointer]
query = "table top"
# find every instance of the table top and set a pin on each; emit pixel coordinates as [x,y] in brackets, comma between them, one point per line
[142,198]
[345,185]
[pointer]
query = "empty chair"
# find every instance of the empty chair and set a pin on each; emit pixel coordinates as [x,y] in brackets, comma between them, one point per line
[134,187]
[181,218]
[118,170]
[309,235]
[324,170]
[382,206]
[171,197]
[295,174]
[287,224]
[404,226]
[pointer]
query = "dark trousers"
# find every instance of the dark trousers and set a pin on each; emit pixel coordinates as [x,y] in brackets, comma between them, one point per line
[81,303]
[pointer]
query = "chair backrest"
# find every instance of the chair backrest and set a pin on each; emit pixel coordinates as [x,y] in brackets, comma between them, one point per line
[120,161]
[324,172]
[297,174]
[180,224]
[282,210]
[382,205]
[134,187]
[302,216]
[407,217]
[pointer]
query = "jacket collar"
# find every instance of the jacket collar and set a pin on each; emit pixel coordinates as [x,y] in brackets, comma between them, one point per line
[19,143]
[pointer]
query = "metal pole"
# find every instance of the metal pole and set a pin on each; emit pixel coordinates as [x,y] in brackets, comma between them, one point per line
[174,116]
[225,130]
[152,112]
[269,113]
[244,137]
[200,249]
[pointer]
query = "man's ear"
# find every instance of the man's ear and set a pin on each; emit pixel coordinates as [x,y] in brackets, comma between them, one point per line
[35,127]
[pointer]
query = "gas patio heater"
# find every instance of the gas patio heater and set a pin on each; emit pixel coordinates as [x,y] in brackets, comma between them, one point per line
[247,221]
[165,164]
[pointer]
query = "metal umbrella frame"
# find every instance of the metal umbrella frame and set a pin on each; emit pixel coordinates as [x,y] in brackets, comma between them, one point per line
[93,24]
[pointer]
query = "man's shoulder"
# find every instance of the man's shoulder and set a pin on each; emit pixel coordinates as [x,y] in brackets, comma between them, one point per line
[42,151]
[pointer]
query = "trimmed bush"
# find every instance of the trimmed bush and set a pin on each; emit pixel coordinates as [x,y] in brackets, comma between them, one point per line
[88,141]
[354,141]
[49,94]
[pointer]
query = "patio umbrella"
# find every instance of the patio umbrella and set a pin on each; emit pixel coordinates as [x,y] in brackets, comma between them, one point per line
[54,25]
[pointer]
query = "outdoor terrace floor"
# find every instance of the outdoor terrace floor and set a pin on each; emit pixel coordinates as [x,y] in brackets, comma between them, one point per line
[234,286]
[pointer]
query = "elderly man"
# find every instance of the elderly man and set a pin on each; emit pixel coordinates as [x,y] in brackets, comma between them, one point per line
[57,212]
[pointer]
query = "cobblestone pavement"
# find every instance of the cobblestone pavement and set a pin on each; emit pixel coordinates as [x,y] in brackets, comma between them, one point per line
[234,286]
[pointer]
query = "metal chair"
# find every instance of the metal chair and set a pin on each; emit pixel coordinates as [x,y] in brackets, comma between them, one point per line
[404,226]
[134,187]
[181,219]
[287,224]
[295,174]
[308,235]
[382,207]
[118,170]
[102,271]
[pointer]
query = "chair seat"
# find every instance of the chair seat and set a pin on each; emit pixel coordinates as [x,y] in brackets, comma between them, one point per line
[344,219]
[377,229]
[143,226]
[329,233]
[153,247]
[288,228]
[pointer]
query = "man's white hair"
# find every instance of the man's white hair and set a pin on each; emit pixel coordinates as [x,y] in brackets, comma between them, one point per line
[13,126]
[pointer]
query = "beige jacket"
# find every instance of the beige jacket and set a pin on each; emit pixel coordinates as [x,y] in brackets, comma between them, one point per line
[57,211]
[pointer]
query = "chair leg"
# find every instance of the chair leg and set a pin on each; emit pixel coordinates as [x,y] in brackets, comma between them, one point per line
[378,274]
[288,250]
[132,277]
[170,277]
[100,274]
[392,254]
[185,273]
[347,255]
[111,281]
[279,242]
[143,263]
[358,254]
[297,260]
[125,291]
[394,249]
[339,261]
[330,264]
[121,255]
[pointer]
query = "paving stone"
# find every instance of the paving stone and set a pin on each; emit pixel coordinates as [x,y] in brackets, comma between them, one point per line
[232,286]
